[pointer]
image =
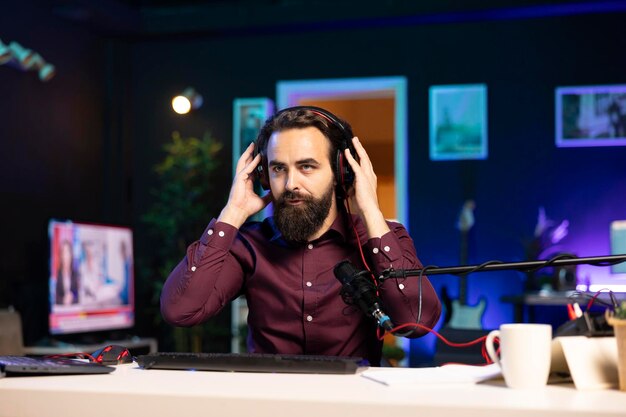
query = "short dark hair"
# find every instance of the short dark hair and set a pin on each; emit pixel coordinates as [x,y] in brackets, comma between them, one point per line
[301,118]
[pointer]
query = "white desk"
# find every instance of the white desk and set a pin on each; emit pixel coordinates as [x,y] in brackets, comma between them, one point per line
[131,391]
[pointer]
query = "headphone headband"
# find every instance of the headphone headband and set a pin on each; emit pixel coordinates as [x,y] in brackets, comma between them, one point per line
[343,173]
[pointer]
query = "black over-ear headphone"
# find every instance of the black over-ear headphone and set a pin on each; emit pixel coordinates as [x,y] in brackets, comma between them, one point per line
[343,172]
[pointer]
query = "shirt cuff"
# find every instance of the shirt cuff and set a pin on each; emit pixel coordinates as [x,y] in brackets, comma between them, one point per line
[385,250]
[219,235]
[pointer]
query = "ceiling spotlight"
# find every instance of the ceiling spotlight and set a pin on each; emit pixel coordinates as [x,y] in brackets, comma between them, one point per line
[46,72]
[188,100]
[35,61]
[25,59]
[22,55]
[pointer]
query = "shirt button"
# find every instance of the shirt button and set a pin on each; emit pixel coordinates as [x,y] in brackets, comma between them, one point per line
[401,286]
[309,284]
[386,248]
[375,250]
[210,232]
[193,268]
[310,246]
[221,233]
[309,318]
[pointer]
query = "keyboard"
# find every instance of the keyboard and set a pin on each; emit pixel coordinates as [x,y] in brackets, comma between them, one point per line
[252,362]
[31,366]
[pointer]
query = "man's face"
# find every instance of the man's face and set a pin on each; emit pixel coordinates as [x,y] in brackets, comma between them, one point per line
[302,183]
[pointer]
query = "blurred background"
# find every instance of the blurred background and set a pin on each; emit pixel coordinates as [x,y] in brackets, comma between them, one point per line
[531,166]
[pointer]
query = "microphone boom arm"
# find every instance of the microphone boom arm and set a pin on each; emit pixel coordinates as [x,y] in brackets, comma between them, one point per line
[523,266]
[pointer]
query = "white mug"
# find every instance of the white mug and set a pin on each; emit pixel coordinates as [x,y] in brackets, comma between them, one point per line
[524,353]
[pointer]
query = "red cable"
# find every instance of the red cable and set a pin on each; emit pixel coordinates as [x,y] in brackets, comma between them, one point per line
[481,339]
[380,335]
[356,234]
[76,355]
[590,303]
[358,239]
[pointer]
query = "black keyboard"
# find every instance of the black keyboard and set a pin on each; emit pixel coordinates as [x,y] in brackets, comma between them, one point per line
[25,365]
[252,362]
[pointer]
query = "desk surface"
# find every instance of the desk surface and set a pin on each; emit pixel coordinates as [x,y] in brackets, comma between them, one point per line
[131,391]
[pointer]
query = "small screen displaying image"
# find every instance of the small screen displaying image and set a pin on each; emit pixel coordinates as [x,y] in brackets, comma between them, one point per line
[91,277]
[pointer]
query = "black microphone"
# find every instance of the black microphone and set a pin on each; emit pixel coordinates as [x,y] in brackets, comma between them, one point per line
[358,289]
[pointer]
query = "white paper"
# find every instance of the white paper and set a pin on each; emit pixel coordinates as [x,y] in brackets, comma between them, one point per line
[448,374]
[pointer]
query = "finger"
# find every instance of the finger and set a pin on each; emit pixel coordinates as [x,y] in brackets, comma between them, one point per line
[365,172]
[357,144]
[363,156]
[245,157]
[252,165]
[353,163]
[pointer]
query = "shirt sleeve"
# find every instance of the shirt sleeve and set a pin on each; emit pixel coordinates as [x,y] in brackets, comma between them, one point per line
[206,279]
[402,298]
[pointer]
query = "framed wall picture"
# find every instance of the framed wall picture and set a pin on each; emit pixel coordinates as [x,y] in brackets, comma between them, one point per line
[591,116]
[249,115]
[458,122]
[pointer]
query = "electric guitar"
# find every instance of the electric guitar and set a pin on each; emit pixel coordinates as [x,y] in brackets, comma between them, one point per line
[464,316]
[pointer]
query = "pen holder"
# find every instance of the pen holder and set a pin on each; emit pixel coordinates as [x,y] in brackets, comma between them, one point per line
[619,327]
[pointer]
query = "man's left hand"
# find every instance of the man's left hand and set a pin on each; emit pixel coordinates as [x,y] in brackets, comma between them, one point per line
[363,197]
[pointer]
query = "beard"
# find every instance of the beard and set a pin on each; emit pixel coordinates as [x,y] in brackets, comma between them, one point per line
[298,223]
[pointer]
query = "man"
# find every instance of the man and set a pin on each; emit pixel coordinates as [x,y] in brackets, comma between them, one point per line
[284,265]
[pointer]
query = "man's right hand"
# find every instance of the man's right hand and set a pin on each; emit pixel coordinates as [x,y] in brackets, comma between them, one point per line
[243,202]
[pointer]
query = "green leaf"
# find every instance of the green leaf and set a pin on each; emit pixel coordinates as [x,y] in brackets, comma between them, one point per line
[183,203]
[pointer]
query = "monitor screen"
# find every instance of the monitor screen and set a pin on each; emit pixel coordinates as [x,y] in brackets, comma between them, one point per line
[91,277]
[618,244]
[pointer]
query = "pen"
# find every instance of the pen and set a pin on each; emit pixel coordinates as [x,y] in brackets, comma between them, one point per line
[577,310]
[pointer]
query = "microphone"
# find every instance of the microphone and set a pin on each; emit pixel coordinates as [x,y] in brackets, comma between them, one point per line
[358,289]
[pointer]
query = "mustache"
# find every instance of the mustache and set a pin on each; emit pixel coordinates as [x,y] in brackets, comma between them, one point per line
[292,195]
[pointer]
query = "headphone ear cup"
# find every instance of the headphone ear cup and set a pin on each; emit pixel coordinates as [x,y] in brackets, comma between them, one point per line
[344,174]
[263,174]
[260,172]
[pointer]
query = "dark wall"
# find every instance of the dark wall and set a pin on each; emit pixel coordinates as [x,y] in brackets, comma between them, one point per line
[51,162]
[83,145]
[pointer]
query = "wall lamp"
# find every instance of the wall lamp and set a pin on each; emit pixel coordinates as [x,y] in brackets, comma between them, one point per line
[26,60]
[188,100]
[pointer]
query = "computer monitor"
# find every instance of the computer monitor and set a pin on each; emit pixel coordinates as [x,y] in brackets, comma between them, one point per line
[618,244]
[91,278]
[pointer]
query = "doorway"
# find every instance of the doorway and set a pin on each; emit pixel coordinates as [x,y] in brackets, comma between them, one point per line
[376,110]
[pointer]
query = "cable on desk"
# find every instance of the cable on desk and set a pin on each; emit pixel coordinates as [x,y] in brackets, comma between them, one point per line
[594,299]
[415,326]
[75,355]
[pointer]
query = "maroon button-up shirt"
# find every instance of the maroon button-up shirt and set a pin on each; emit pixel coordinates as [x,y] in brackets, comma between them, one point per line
[292,293]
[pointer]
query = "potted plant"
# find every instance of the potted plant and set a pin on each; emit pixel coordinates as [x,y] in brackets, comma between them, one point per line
[617,319]
[189,191]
